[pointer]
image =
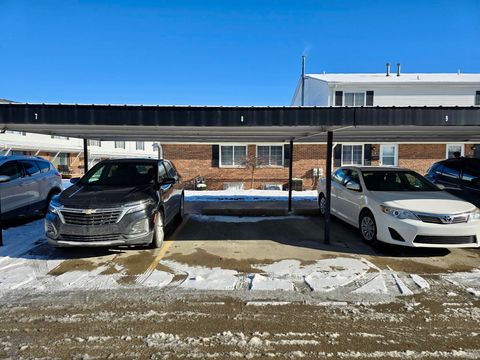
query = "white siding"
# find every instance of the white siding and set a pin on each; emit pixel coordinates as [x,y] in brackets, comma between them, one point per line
[45,143]
[416,95]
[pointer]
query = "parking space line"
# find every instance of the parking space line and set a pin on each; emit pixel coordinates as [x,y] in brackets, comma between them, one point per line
[166,246]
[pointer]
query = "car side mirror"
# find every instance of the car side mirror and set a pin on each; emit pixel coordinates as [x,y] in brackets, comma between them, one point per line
[168,181]
[74,180]
[353,186]
[5,178]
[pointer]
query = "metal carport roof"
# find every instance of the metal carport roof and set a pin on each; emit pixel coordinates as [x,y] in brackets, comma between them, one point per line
[215,124]
[243,124]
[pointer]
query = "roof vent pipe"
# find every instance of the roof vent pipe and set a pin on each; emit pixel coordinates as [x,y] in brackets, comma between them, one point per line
[398,69]
[388,69]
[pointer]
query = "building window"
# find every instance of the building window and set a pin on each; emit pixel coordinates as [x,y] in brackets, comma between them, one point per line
[354,99]
[59,137]
[477,98]
[62,159]
[140,145]
[95,143]
[270,155]
[119,144]
[352,155]
[233,155]
[455,150]
[388,155]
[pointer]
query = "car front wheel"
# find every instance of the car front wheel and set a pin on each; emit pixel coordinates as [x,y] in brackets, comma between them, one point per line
[368,227]
[159,232]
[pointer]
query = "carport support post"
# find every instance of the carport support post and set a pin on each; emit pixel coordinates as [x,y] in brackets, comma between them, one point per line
[328,186]
[85,155]
[290,176]
[1,223]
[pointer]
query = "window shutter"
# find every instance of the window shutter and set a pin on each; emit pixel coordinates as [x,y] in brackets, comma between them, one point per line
[215,155]
[337,155]
[369,100]
[286,155]
[367,151]
[477,98]
[476,151]
[338,98]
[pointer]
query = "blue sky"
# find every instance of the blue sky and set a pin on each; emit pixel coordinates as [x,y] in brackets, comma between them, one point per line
[220,52]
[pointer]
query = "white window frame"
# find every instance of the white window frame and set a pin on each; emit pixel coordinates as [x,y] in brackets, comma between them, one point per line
[353,144]
[462,152]
[344,96]
[395,161]
[142,148]
[270,155]
[120,147]
[233,155]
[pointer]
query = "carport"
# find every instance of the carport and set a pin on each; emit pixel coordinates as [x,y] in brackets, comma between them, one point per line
[246,124]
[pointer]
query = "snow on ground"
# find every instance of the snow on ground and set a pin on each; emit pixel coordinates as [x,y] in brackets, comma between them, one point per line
[468,280]
[203,278]
[242,219]
[248,195]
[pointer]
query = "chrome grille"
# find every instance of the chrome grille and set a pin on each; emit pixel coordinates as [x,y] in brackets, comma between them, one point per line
[88,238]
[443,219]
[95,218]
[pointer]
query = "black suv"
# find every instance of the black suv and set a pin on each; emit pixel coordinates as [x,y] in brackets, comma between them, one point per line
[117,202]
[459,176]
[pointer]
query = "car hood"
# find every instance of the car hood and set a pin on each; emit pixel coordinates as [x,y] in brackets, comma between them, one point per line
[434,202]
[92,196]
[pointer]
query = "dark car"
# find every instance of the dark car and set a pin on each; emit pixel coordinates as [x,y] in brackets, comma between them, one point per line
[459,176]
[117,202]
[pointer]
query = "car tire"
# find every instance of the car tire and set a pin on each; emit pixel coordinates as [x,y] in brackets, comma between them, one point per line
[159,232]
[368,227]
[181,211]
[322,204]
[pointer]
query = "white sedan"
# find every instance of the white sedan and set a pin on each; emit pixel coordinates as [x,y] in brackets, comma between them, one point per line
[399,206]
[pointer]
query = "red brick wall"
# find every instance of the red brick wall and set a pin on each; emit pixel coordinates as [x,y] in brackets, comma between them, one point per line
[194,160]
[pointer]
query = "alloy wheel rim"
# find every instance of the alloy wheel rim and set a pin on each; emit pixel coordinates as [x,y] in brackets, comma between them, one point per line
[368,228]
[323,205]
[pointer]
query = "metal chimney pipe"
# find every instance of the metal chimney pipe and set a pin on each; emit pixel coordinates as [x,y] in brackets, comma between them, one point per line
[303,80]
[388,69]
[398,69]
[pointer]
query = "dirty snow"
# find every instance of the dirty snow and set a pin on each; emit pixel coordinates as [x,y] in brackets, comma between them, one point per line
[261,282]
[249,195]
[242,219]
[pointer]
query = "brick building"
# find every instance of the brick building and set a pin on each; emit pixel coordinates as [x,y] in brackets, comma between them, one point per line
[381,89]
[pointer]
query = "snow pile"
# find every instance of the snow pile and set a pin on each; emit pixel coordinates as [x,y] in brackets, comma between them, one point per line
[242,219]
[203,278]
[249,195]
[470,281]
[261,282]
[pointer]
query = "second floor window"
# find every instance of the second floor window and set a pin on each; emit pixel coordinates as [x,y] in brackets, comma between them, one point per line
[95,143]
[140,145]
[477,98]
[354,99]
[270,155]
[119,144]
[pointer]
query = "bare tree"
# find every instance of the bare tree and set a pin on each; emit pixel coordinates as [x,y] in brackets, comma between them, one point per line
[252,162]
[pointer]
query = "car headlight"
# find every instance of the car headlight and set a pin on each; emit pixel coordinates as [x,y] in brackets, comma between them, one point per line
[398,213]
[474,215]
[55,206]
[128,209]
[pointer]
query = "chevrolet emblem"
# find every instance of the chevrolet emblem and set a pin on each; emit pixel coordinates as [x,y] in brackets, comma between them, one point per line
[88,211]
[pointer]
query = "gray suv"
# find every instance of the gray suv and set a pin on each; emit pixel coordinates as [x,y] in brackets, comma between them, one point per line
[117,202]
[27,184]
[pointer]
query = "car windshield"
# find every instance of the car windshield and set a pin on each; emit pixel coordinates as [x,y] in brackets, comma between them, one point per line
[396,181]
[120,174]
